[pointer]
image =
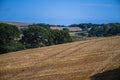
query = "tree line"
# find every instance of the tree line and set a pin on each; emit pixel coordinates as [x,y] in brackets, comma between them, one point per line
[14,39]
[98,30]
[39,35]
[110,29]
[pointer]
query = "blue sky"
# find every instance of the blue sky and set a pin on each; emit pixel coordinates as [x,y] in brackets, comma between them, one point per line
[62,12]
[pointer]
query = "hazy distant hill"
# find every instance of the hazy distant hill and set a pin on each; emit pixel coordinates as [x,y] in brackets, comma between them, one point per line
[96,59]
[19,24]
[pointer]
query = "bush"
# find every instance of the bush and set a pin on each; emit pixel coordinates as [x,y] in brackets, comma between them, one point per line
[12,47]
[32,37]
[105,30]
[9,35]
[85,34]
[36,36]
[66,29]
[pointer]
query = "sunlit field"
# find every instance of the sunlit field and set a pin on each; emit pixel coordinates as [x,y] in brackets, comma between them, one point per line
[72,61]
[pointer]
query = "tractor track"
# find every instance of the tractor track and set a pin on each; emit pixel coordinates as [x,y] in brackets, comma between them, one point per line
[46,66]
[39,61]
[77,60]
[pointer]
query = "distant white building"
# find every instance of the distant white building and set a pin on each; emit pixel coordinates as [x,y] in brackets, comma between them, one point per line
[71,29]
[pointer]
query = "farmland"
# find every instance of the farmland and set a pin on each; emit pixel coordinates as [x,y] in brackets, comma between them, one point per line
[80,60]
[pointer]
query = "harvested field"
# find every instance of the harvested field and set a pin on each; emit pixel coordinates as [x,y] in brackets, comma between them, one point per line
[80,60]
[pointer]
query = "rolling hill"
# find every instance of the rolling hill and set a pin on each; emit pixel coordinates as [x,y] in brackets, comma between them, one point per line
[19,24]
[96,59]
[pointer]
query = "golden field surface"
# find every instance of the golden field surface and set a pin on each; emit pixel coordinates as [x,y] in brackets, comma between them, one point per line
[80,60]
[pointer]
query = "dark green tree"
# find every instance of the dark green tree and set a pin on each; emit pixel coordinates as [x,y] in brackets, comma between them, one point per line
[66,29]
[105,30]
[61,37]
[9,38]
[34,36]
